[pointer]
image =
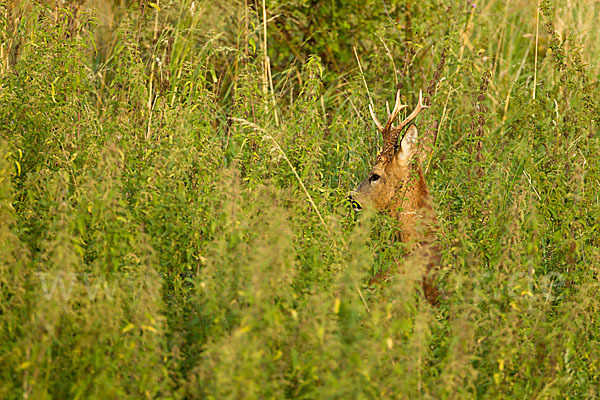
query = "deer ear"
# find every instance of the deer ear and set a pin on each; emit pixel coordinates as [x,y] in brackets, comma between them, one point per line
[408,145]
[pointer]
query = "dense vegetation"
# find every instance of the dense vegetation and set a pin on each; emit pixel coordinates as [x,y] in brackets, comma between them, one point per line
[173,221]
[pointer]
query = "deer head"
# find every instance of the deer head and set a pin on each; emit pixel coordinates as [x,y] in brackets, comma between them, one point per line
[396,183]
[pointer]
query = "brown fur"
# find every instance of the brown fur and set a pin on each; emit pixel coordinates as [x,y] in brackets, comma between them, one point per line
[396,185]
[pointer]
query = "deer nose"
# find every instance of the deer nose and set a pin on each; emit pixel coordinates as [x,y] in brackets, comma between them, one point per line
[355,204]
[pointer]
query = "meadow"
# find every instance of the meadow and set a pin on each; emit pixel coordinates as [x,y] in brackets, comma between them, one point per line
[173,212]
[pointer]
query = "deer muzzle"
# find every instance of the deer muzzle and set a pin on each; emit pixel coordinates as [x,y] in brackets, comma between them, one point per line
[355,204]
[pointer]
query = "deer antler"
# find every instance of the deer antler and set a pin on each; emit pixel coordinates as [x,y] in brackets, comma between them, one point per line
[379,126]
[394,113]
[390,132]
[387,129]
[395,130]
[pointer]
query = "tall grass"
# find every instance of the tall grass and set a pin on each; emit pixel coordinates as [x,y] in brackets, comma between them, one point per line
[173,215]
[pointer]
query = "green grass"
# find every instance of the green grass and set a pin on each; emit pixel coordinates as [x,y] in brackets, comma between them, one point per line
[193,207]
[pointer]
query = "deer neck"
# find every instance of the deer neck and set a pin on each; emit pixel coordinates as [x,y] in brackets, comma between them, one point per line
[411,207]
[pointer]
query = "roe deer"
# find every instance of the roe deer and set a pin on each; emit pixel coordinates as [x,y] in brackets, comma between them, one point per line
[396,185]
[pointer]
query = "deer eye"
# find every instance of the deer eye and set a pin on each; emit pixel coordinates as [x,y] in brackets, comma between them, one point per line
[374,178]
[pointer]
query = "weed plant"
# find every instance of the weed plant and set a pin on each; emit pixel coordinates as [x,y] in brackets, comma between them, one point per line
[173,214]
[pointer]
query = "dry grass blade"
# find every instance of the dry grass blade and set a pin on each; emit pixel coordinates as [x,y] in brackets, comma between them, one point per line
[287,160]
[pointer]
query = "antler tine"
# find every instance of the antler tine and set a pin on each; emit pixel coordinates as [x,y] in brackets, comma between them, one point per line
[379,126]
[395,111]
[420,107]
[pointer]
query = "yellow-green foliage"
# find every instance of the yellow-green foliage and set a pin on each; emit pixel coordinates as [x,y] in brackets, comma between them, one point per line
[173,220]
